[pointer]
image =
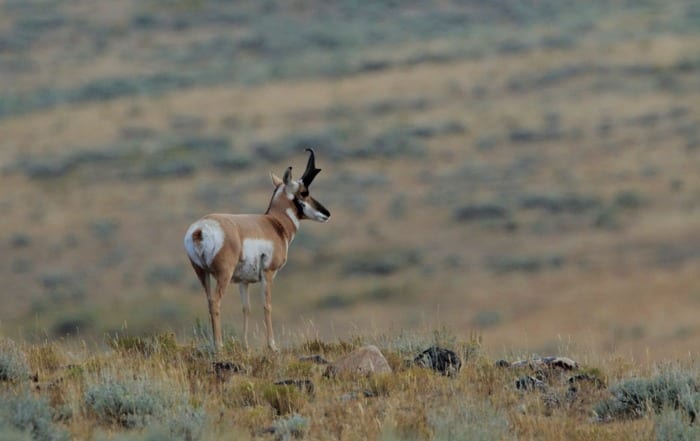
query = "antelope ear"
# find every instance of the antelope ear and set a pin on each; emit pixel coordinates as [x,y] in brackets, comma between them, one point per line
[276,181]
[287,176]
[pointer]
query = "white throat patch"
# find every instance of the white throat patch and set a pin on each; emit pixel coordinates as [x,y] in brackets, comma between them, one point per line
[291,215]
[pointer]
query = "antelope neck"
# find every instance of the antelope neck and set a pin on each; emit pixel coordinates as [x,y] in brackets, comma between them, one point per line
[285,213]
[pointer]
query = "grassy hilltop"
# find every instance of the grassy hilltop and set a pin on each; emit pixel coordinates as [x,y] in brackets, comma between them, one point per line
[154,389]
[528,171]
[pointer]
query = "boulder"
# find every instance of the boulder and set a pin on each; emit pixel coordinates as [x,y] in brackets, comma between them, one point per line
[304,385]
[564,363]
[528,382]
[439,359]
[553,362]
[225,369]
[317,358]
[366,360]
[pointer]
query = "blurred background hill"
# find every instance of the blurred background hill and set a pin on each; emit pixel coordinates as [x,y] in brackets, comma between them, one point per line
[527,170]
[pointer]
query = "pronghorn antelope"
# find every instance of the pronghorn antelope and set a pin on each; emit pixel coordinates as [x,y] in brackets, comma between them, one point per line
[250,248]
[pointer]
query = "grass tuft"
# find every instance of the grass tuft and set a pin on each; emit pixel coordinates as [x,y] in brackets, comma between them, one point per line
[284,398]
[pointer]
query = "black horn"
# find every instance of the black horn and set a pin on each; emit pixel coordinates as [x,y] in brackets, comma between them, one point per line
[311,170]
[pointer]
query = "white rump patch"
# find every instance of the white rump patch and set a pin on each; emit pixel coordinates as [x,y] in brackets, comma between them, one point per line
[202,252]
[255,256]
[292,215]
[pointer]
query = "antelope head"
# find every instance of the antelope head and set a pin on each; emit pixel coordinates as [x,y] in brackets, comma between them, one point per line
[298,192]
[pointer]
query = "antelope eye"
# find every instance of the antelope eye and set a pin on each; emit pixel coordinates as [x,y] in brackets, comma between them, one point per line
[304,193]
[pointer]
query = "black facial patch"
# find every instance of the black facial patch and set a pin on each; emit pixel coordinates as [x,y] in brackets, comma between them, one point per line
[300,208]
[319,207]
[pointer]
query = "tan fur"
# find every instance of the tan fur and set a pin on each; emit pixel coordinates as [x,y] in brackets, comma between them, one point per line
[274,227]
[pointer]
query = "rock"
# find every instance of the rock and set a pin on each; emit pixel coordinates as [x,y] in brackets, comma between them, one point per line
[225,369]
[521,363]
[350,396]
[530,383]
[439,359]
[563,363]
[318,359]
[366,360]
[303,385]
[578,380]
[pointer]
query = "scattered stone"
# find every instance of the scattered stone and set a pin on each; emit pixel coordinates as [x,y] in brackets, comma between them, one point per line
[225,369]
[267,431]
[502,363]
[551,400]
[349,397]
[303,385]
[577,380]
[521,363]
[529,383]
[366,360]
[318,359]
[367,393]
[563,363]
[439,359]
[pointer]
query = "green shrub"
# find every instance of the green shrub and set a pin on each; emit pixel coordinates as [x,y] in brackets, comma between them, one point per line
[382,264]
[137,403]
[671,425]
[561,203]
[13,362]
[465,421]
[638,396]
[20,240]
[63,286]
[155,433]
[629,200]
[186,423]
[12,434]
[480,212]
[31,415]
[73,323]
[128,403]
[393,143]
[293,426]
[529,264]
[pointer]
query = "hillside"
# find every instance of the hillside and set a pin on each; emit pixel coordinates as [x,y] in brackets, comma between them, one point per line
[526,171]
[152,388]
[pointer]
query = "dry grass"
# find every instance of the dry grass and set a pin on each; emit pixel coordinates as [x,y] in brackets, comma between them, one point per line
[176,393]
